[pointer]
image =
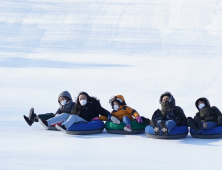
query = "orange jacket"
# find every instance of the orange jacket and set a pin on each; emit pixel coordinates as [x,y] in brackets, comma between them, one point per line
[123,111]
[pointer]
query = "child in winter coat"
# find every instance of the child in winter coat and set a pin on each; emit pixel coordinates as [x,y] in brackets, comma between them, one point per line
[170,116]
[66,106]
[86,108]
[122,112]
[208,117]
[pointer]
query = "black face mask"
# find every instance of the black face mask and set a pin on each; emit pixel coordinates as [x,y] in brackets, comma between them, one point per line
[166,103]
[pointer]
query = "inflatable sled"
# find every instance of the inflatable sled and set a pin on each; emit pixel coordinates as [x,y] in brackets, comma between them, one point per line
[213,133]
[89,128]
[137,128]
[175,133]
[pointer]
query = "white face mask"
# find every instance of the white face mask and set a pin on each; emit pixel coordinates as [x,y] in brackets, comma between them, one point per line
[63,102]
[83,102]
[116,107]
[201,106]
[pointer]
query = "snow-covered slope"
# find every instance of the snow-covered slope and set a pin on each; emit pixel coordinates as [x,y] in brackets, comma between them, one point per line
[136,48]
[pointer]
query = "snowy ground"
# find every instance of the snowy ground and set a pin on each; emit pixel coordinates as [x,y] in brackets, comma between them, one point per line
[136,48]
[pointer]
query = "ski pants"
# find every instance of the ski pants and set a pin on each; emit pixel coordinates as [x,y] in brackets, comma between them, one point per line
[67,120]
[169,123]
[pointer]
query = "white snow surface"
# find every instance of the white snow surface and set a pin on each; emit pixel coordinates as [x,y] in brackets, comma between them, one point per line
[137,48]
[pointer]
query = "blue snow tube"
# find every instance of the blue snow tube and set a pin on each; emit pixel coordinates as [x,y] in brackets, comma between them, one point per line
[88,128]
[213,133]
[175,133]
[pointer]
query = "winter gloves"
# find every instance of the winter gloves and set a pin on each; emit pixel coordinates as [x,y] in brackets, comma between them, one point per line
[139,120]
[95,118]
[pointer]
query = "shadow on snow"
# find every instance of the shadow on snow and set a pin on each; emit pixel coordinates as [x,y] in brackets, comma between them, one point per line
[16,62]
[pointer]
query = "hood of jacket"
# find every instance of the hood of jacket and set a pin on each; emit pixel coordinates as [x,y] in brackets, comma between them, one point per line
[172,101]
[65,94]
[205,100]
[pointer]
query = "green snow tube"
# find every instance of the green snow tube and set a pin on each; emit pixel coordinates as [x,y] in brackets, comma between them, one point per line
[137,128]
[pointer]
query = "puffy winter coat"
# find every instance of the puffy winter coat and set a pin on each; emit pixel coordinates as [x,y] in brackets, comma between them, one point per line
[68,107]
[92,110]
[208,113]
[123,111]
[169,111]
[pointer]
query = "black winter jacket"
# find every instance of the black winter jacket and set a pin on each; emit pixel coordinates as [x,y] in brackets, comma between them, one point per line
[69,106]
[92,110]
[170,112]
[208,113]
[66,109]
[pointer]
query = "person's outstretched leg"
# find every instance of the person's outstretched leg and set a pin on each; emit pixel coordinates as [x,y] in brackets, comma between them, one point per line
[58,119]
[192,124]
[167,126]
[126,120]
[199,123]
[30,120]
[73,119]
[45,116]
[156,126]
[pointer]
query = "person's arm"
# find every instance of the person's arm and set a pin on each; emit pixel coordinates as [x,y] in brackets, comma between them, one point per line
[217,112]
[219,115]
[198,114]
[58,112]
[182,116]
[101,111]
[72,108]
[132,112]
[157,115]
[211,119]
[103,118]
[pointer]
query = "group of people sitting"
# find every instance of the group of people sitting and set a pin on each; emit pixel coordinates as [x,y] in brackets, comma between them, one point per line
[87,108]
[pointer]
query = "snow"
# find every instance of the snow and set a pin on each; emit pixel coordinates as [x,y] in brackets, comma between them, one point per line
[136,48]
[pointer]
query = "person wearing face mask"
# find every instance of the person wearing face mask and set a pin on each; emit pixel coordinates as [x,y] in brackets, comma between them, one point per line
[66,105]
[122,112]
[170,116]
[85,110]
[207,117]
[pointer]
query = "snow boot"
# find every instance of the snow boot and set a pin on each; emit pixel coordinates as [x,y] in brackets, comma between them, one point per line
[192,125]
[156,128]
[164,129]
[44,123]
[197,120]
[61,128]
[30,120]
[128,128]
[145,121]
[115,120]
